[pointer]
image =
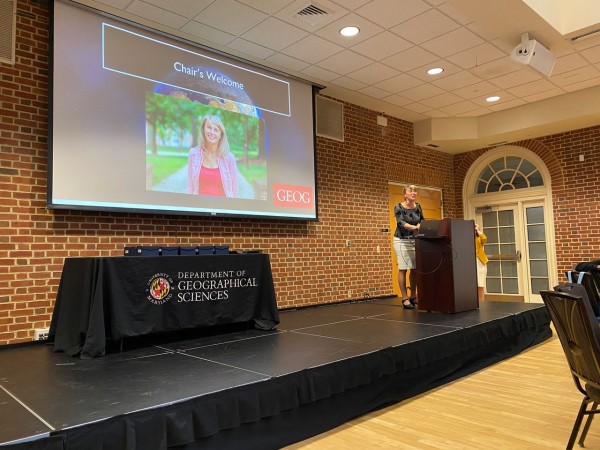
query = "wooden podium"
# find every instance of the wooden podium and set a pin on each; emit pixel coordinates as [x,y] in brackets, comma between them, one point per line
[446,268]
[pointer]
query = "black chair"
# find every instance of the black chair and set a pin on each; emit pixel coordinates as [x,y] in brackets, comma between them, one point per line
[588,282]
[579,335]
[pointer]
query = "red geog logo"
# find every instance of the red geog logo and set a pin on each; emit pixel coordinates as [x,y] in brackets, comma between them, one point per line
[292,196]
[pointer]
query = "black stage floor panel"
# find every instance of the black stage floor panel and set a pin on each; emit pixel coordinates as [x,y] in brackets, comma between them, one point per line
[249,388]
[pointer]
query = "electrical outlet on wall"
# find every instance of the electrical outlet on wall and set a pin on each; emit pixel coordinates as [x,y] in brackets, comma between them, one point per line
[40,334]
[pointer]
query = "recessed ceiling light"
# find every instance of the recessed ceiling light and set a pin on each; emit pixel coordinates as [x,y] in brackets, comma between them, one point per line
[435,71]
[349,31]
[493,98]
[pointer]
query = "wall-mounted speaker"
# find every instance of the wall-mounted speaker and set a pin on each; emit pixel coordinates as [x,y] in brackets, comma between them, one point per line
[330,118]
[8,21]
[533,54]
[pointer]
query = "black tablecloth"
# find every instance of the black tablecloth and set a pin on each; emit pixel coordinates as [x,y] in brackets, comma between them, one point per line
[116,297]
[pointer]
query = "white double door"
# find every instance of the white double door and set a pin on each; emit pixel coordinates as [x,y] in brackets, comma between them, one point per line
[519,246]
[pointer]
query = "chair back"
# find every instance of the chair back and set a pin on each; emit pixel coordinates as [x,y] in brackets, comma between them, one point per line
[595,276]
[578,332]
[589,283]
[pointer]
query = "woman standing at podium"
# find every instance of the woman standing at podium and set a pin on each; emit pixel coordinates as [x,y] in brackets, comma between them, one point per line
[408,220]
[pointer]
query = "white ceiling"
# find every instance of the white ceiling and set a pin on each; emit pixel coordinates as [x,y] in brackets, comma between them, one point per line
[384,67]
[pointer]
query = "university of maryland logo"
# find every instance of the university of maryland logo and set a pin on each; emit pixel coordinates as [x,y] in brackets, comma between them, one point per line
[159,290]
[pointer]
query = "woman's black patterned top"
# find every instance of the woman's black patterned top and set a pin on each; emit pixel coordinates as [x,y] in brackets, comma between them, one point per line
[404,215]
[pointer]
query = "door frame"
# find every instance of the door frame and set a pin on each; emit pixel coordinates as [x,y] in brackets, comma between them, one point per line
[541,194]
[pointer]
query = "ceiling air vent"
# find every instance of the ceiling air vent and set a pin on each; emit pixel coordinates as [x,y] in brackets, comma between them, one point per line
[312,14]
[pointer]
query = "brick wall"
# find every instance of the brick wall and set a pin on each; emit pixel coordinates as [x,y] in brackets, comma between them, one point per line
[310,261]
[575,190]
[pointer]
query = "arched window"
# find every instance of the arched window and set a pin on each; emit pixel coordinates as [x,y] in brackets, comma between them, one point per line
[508,173]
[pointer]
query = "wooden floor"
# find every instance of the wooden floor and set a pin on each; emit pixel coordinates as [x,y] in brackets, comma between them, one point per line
[526,402]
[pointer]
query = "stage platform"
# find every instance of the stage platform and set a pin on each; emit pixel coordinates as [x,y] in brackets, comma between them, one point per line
[247,388]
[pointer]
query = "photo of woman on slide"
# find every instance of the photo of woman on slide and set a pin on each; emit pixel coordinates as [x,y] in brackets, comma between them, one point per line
[204,150]
[212,169]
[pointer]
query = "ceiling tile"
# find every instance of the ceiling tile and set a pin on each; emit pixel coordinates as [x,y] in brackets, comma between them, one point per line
[459,108]
[349,83]
[118,4]
[567,63]
[421,92]
[425,27]
[374,92]
[487,35]
[525,75]
[479,90]
[350,4]
[454,14]
[367,29]
[250,48]
[543,95]
[496,68]
[266,6]
[231,16]
[445,99]
[399,83]
[320,73]
[397,100]
[534,87]
[156,14]
[475,113]
[185,8]
[345,62]
[389,13]
[287,62]
[373,73]
[575,76]
[476,56]
[435,2]
[506,47]
[591,82]
[312,49]
[262,34]
[381,46]
[453,42]
[505,96]
[592,54]
[417,107]
[207,33]
[456,81]
[507,105]
[437,113]
[410,59]
[449,69]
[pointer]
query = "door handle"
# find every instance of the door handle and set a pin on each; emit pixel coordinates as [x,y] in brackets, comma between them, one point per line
[506,257]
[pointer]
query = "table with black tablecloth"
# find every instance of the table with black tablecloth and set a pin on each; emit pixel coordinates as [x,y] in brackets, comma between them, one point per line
[118,297]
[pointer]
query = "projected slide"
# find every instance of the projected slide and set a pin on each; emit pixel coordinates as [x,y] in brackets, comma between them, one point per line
[146,123]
